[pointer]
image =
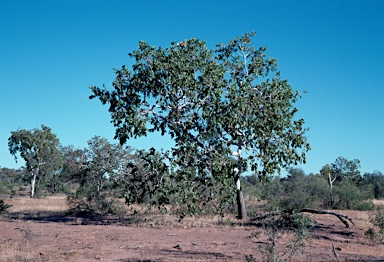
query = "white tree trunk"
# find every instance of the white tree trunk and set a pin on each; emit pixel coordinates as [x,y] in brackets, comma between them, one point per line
[33,183]
[331,185]
[241,212]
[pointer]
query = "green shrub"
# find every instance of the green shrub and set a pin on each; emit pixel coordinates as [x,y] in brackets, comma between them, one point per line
[365,206]
[6,188]
[87,200]
[348,196]
[3,206]
[296,192]
[375,181]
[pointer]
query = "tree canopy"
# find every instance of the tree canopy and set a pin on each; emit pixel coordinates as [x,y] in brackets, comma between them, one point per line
[227,109]
[39,149]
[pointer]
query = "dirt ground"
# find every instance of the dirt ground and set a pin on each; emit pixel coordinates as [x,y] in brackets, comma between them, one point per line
[40,235]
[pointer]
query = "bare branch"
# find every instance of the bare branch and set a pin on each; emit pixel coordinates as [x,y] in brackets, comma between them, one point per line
[342,218]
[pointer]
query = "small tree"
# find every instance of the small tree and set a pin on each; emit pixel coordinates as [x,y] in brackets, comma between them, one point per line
[328,173]
[227,109]
[39,149]
[341,171]
[347,169]
[97,169]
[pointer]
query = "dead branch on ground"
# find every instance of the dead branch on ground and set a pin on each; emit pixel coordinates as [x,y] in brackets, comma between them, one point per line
[342,218]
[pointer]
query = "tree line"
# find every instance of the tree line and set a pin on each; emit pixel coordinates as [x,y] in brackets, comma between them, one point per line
[96,176]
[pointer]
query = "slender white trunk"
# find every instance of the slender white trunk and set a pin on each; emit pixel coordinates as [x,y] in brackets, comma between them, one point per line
[331,185]
[33,183]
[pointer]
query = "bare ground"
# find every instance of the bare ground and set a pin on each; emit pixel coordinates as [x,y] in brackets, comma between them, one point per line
[38,231]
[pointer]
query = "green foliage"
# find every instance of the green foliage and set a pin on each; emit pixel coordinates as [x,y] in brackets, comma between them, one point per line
[147,173]
[39,149]
[154,182]
[98,170]
[3,206]
[7,189]
[348,196]
[215,104]
[10,176]
[375,182]
[298,191]
[343,170]
[302,191]
[86,201]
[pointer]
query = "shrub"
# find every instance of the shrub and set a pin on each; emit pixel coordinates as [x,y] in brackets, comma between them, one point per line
[377,220]
[296,192]
[305,192]
[348,196]
[87,200]
[274,226]
[3,206]
[375,183]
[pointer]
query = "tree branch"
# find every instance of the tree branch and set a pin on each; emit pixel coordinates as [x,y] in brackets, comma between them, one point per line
[342,218]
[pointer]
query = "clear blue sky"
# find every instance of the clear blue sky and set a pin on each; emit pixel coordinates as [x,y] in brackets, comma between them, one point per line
[52,51]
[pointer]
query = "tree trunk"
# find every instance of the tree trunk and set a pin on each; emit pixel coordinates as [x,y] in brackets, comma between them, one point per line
[241,212]
[33,183]
[331,186]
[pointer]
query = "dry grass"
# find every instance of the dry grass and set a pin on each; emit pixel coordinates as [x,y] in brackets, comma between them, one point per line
[140,215]
[378,202]
[20,249]
[25,208]
[25,204]
[172,221]
[23,247]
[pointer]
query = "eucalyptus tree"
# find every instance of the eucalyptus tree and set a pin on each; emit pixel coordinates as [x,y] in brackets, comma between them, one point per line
[40,150]
[328,173]
[346,169]
[105,162]
[227,109]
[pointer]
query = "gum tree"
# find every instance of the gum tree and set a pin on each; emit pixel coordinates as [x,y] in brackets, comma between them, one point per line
[39,149]
[346,169]
[227,109]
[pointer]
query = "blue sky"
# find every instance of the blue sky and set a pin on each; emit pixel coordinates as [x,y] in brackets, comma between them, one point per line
[52,51]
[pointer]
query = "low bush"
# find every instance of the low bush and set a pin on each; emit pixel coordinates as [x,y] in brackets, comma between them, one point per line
[86,200]
[274,226]
[3,206]
[377,220]
[348,196]
[297,191]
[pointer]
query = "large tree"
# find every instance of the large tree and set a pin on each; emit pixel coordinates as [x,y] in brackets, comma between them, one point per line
[39,149]
[227,109]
